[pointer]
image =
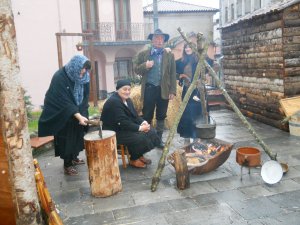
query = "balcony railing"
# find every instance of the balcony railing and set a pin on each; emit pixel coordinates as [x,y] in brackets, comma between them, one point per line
[112,32]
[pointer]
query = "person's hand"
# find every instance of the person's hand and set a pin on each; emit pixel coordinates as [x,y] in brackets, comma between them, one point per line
[171,96]
[144,122]
[82,120]
[168,49]
[144,127]
[149,64]
[196,98]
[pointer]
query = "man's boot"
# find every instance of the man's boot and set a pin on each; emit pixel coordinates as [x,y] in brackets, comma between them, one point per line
[160,125]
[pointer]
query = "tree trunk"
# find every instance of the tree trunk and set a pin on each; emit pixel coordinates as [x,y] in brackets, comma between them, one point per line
[102,160]
[182,172]
[14,129]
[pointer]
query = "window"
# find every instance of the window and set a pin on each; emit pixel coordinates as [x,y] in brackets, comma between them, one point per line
[232,11]
[93,12]
[122,19]
[226,14]
[247,6]
[257,4]
[123,68]
[239,8]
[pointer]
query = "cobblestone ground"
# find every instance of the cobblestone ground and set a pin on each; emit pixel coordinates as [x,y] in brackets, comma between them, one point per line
[218,197]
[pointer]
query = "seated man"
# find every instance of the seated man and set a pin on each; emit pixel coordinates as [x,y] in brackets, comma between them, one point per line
[131,130]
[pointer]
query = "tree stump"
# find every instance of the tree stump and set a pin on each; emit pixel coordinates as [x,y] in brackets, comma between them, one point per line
[182,172]
[102,161]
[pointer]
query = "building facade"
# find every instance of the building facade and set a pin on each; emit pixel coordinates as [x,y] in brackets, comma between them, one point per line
[261,58]
[189,17]
[118,29]
[232,10]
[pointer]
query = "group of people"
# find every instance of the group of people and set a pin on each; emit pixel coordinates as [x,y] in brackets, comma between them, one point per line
[65,111]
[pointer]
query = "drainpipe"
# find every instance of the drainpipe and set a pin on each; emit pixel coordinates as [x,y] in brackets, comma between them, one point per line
[155,14]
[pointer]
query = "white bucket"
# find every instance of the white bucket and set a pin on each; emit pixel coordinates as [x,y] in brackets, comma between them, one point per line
[294,128]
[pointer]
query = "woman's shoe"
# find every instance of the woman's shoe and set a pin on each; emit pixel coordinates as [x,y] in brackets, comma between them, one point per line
[71,171]
[145,160]
[78,162]
[137,163]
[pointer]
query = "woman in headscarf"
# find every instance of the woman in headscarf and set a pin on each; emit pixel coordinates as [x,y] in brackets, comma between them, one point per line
[119,115]
[65,111]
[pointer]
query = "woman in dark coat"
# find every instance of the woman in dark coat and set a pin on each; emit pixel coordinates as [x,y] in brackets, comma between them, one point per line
[131,130]
[65,111]
[185,68]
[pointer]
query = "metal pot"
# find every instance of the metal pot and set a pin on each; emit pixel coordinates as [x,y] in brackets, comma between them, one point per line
[248,156]
[206,131]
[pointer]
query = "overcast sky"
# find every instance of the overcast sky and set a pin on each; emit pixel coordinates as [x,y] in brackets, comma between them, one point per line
[209,3]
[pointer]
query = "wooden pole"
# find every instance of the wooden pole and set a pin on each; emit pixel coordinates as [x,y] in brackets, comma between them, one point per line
[59,51]
[161,163]
[89,37]
[286,119]
[201,47]
[201,87]
[240,115]
[235,108]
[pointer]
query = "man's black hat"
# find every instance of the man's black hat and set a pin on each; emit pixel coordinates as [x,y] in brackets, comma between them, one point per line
[159,32]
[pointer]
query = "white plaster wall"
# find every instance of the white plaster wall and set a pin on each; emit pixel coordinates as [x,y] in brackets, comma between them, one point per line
[106,11]
[197,23]
[36,23]
[136,7]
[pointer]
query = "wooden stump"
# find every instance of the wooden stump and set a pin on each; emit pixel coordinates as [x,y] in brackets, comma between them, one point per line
[182,173]
[102,161]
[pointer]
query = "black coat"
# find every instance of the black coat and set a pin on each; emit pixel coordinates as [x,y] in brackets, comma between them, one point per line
[58,116]
[125,121]
[193,110]
[117,116]
[59,104]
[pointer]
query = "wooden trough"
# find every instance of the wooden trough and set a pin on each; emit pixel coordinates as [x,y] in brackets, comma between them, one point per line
[208,164]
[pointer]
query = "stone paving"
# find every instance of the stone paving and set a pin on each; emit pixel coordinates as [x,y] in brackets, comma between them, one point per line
[218,197]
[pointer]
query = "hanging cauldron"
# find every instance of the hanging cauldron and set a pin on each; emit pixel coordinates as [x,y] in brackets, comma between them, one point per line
[206,131]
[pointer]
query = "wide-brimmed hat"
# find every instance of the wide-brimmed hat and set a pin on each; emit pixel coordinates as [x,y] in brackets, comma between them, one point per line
[159,32]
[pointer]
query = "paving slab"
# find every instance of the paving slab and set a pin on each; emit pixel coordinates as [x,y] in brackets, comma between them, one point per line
[113,202]
[255,191]
[256,208]
[219,214]
[160,195]
[141,211]
[218,197]
[288,200]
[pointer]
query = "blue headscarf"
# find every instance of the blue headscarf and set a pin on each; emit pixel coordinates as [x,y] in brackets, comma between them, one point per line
[73,69]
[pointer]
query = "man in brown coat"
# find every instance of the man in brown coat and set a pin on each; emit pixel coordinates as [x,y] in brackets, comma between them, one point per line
[158,71]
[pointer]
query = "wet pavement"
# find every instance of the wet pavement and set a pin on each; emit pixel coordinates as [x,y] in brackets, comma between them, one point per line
[218,197]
